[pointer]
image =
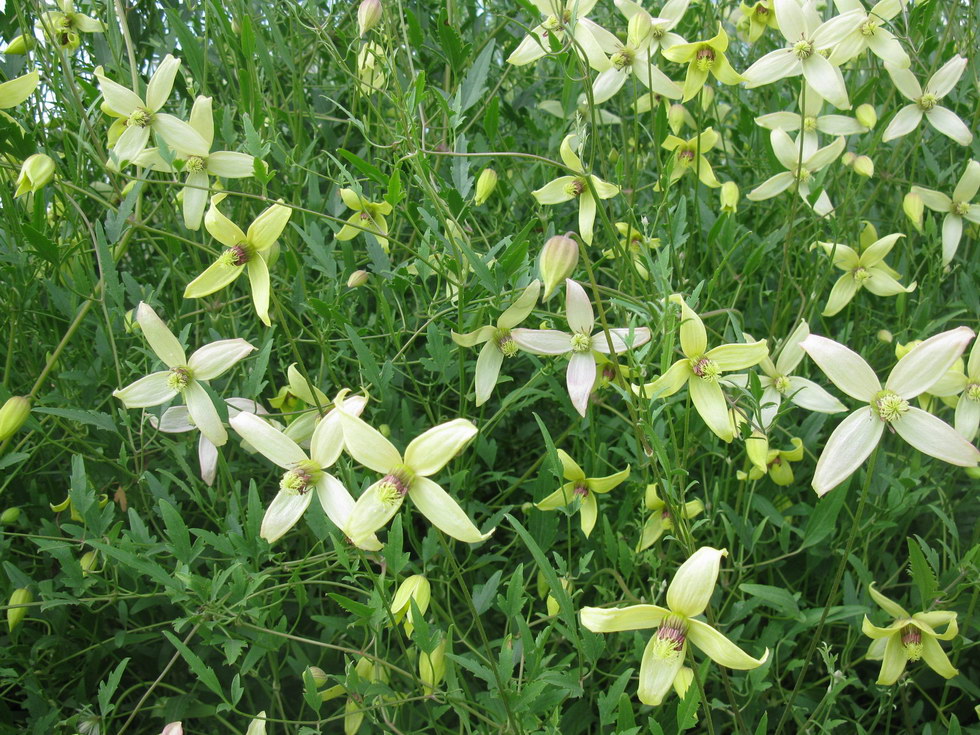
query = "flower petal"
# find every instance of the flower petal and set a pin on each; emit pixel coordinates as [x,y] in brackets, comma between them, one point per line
[231,165]
[162,340]
[579,379]
[690,589]
[431,451]
[268,441]
[327,441]
[694,338]
[204,414]
[772,67]
[335,500]
[207,458]
[444,512]
[905,121]
[922,366]
[670,382]
[887,604]
[268,226]
[605,484]
[615,620]
[936,438]
[570,468]
[738,356]
[709,400]
[893,662]
[586,216]
[771,187]
[532,48]
[588,514]
[175,420]
[943,81]
[949,124]
[969,183]
[845,368]
[542,341]
[522,307]
[565,495]
[130,144]
[218,357]
[578,308]
[623,339]
[118,98]
[657,674]
[214,278]
[476,337]
[370,513]
[221,228]
[161,83]
[807,394]
[151,390]
[791,355]
[952,232]
[368,446]
[556,191]
[487,371]
[841,294]
[178,134]
[258,279]
[935,200]
[933,654]
[848,446]
[719,649]
[283,513]
[967,417]
[195,199]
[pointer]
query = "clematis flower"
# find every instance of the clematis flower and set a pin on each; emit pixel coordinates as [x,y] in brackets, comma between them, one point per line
[199,163]
[580,345]
[36,172]
[177,420]
[777,465]
[409,476]
[660,521]
[800,170]
[856,436]
[636,245]
[497,341]
[778,381]
[136,117]
[865,268]
[702,58]
[183,376]
[565,188]
[957,208]
[302,424]
[967,384]
[371,75]
[810,121]
[909,638]
[677,626]
[18,89]
[701,368]
[246,252]
[581,488]
[305,472]
[689,156]
[926,102]
[808,40]
[564,17]
[868,34]
[760,16]
[368,216]
[63,26]
[416,588]
[634,58]
[945,389]
[661,25]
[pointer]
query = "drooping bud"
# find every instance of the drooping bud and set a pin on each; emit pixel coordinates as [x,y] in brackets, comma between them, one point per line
[318,675]
[36,172]
[677,117]
[866,115]
[416,588]
[9,516]
[20,45]
[864,166]
[552,602]
[15,615]
[848,158]
[13,415]
[559,257]
[88,562]
[485,186]
[729,197]
[357,278]
[914,209]
[884,336]
[432,668]
[707,97]
[368,15]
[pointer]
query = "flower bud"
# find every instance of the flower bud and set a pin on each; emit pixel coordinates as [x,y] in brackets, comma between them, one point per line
[20,45]
[368,15]
[10,516]
[914,209]
[485,186]
[15,615]
[357,278]
[415,588]
[848,158]
[884,336]
[88,562]
[707,96]
[318,675]
[864,166]
[432,668]
[866,115]
[677,117]
[638,29]
[13,415]
[37,172]
[559,256]
[729,197]
[552,603]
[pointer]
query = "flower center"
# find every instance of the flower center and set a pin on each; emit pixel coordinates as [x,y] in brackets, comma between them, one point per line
[396,484]
[960,208]
[179,378]
[762,12]
[196,164]
[926,102]
[505,343]
[658,31]
[803,49]
[581,342]
[781,384]
[889,406]
[705,58]
[868,28]
[861,274]
[706,369]
[554,23]
[622,58]
[237,254]
[575,188]
[809,123]
[297,481]
[912,640]
[581,489]
[803,175]
[686,157]
[669,639]
[973,392]
[139,118]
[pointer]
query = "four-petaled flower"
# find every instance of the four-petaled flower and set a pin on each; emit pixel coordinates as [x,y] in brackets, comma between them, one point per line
[581,488]
[799,170]
[957,208]
[687,597]
[635,58]
[660,521]
[909,638]
[926,102]
[565,188]
[702,58]
[63,26]
[868,34]
[497,341]
[777,464]
[856,436]
[661,25]
[564,17]
[245,252]
[580,344]
[183,376]
[367,217]
[689,156]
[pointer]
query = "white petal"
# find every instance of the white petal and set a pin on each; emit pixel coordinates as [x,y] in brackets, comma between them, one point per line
[927,362]
[791,355]
[204,414]
[792,22]
[161,83]
[615,620]
[936,438]
[532,48]
[852,441]
[905,81]
[845,368]
[327,441]
[771,187]
[949,124]
[809,395]
[772,67]
[578,308]
[487,371]
[946,78]
[967,417]
[179,135]
[195,199]
[218,357]
[622,338]
[935,200]
[785,149]
[522,307]
[579,379]
[151,390]
[432,450]
[907,119]
[161,339]
[607,83]
[207,457]
[369,447]
[888,48]
[283,513]
[444,512]
[542,341]
[117,97]
[788,121]
[690,590]
[335,500]
[268,440]
[175,420]
[952,232]
[230,165]
[370,513]
[969,183]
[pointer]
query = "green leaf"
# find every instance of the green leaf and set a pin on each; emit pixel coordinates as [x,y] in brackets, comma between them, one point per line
[369,170]
[91,418]
[476,78]
[923,574]
[108,688]
[205,674]
[483,594]
[357,608]
[775,597]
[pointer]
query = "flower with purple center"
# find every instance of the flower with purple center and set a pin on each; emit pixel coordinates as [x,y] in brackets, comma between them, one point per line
[581,488]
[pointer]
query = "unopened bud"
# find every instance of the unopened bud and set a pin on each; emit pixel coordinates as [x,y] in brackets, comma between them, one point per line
[638,29]
[357,278]
[318,675]
[432,668]
[866,115]
[9,516]
[864,166]
[884,336]
[485,186]
[707,97]
[13,415]
[15,614]
[368,15]
[88,562]
[677,117]
[384,430]
[37,172]
[415,588]
[729,197]
[848,158]
[559,256]
[20,45]
[914,209]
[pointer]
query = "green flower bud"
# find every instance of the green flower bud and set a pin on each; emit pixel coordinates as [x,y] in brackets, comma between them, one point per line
[864,166]
[638,29]
[13,415]
[20,45]
[415,588]
[485,186]
[729,197]
[9,516]
[914,209]
[848,158]
[866,115]
[15,615]
[558,260]
[37,172]
[432,668]
[357,278]
[884,336]
[89,561]
[368,15]
[319,676]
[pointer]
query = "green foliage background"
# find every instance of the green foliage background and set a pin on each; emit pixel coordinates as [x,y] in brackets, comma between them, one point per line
[190,616]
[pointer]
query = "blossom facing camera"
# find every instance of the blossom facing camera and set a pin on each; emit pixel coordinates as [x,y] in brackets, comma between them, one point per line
[583,489]
[485,186]
[13,415]
[36,172]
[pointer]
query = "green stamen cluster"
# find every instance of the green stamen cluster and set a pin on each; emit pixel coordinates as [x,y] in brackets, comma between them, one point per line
[706,369]
[868,28]
[238,255]
[705,58]
[809,123]
[973,392]
[195,164]
[803,49]
[960,208]
[889,406]
[781,384]
[669,641]
[505,343]
[581,342]
[861,274]
[179,378]
[926,102]
[297,481]
[912,640]
[395,485]
[621,59]
[575,188]
[139,118]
